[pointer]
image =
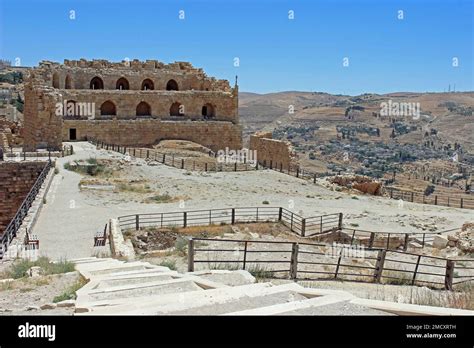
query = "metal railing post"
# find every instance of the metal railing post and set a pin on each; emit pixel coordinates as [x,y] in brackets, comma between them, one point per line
[294,261]
[190,255]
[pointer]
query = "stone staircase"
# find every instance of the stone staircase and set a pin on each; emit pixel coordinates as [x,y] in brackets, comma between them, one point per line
[116,287]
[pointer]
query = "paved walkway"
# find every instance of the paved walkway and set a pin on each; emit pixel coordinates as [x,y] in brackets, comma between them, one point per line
[68,221]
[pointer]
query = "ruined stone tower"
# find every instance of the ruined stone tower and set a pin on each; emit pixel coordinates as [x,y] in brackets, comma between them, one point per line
[130,103]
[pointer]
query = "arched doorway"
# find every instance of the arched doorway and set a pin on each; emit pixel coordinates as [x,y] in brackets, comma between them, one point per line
[108,109]
[97,83]
[172,85]
[177,109]
[148,85]
[143,109]
[208,111]
[122,83]
[56,80]
[68,82]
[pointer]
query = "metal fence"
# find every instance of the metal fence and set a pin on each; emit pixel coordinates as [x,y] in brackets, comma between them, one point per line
[296,223]
[209,165]
[434,199]
[11,230]
[316,261]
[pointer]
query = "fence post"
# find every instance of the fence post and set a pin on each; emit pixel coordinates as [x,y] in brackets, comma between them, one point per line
[137,222]
[205,167]
[147,154]
[235,166]
[281,167]
[338,264]
[412,194]
[185,219]
[391,193]
[233,219]
[280,213]
[405,244]
[379,265]
[164,158]
[416,270]
[461,202]
[339,225]
[294,261]
[448,279]
[303,227]
[182,163]
[245,255]
[298,172]
[271,164]
[190,255]
[314,179]
[321,225]
[353,235]
[371,240]
[436,199]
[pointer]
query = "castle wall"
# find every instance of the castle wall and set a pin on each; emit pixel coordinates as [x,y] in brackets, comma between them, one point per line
[160,102]
[271,152]
[16,180]
[130,115]
[143,132]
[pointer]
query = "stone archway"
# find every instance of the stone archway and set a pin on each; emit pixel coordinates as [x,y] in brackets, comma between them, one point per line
[122,84]
[148,85]
[97,83]
[143,109]
[172,85]
[108,109]
[68,82]
[56,80]
[177,109]
[208,111]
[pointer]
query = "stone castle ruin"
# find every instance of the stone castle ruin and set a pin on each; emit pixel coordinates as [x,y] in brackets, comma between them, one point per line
[131,103]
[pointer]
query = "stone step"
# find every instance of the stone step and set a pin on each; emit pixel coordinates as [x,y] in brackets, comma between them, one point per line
[148,289]
[242,303]
[175,302]
[136,279]
[285,308]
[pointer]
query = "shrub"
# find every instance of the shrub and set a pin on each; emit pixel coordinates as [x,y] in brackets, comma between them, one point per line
[70,293]
[20,267]
[181,246]
[171,264]
[265,202]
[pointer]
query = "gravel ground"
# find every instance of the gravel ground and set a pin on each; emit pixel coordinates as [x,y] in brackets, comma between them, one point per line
[25,296]
[71,217]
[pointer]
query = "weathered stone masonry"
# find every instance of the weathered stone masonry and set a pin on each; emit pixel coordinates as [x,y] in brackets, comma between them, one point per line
[16,181]
[135,103]
[273,153]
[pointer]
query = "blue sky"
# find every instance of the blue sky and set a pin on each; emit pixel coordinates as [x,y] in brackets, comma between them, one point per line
[276,54]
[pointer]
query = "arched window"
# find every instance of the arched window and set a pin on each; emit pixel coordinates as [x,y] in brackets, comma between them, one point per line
[68,82]
[177,109]
[143,109]
[122,83]
[172,85]
[148,85]
[208,111]
[97,83]
[108,109]
[56,80]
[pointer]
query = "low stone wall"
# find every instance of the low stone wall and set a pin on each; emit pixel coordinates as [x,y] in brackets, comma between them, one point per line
[272,153]
[214,135]
[119,247]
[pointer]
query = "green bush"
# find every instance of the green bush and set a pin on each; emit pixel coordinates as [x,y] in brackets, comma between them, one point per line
[20,267]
